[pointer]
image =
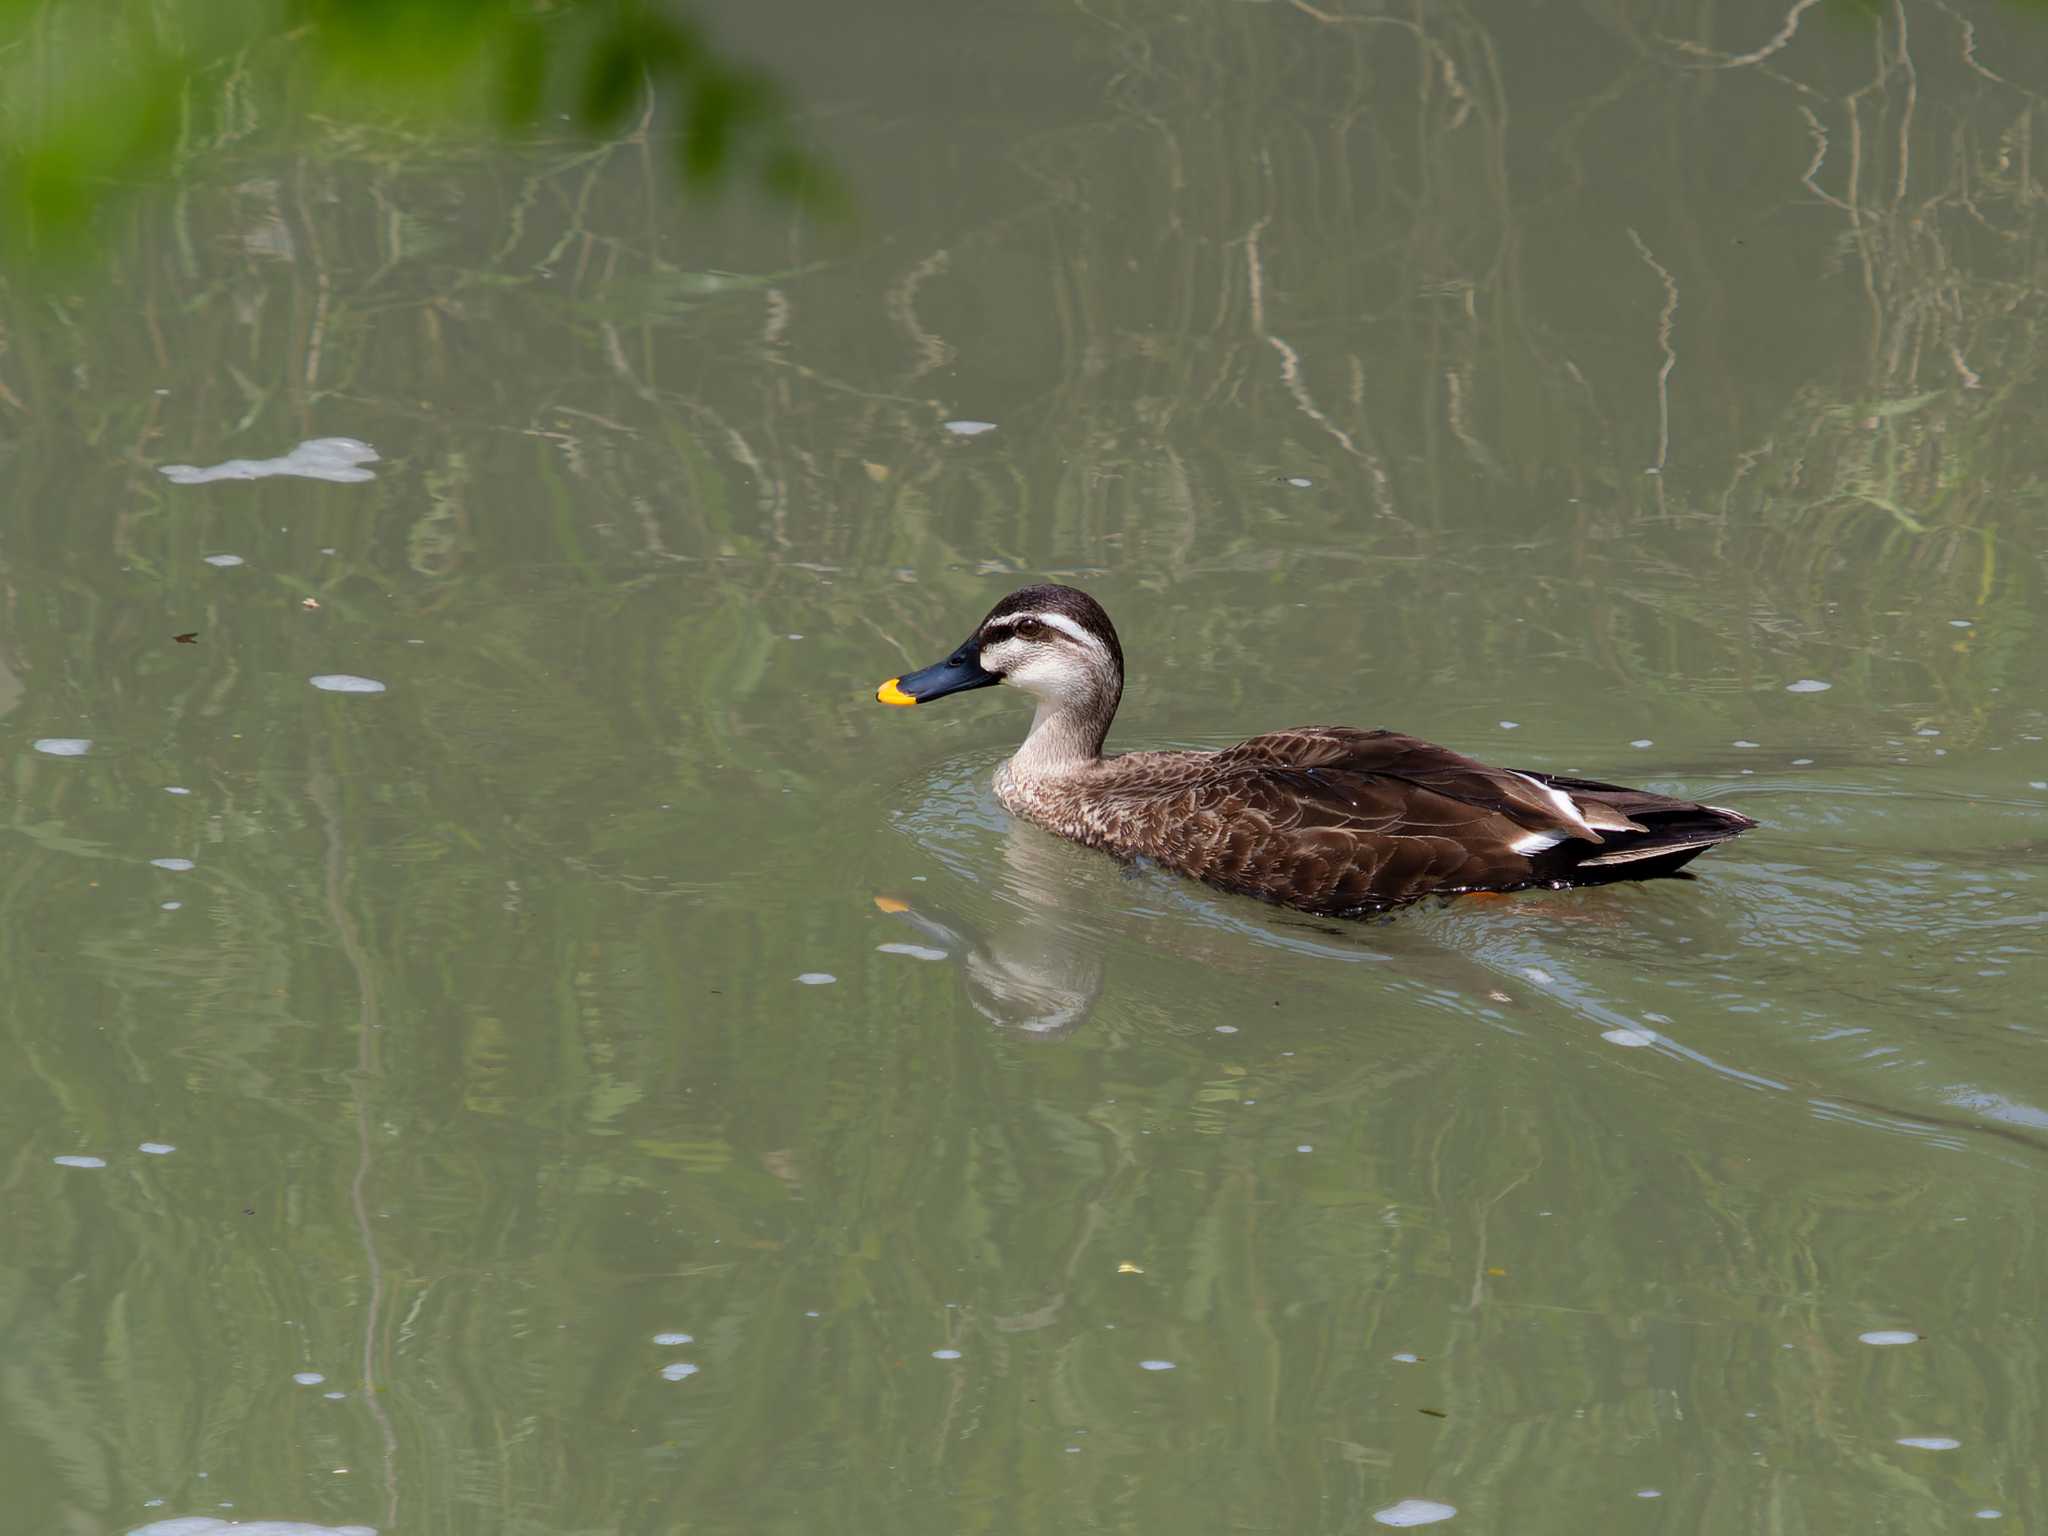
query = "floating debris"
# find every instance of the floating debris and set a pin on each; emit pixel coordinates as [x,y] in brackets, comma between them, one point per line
[203,1525]
[678,1370]
[969,428]
[345,682]
[308,1378]
[1628,1037]
[320,458]
[1157,1365]
[1929,1442]
[817,978]
[156,1148]
[1886,1336]
[224,561]
[670,1340]
[945,1354]
[915,951]
[79,1162]
[63,746]
[1808,685]
[176,866]
[1414,1512]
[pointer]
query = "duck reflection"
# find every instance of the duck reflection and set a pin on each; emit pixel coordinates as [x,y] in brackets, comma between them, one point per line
[1035,972]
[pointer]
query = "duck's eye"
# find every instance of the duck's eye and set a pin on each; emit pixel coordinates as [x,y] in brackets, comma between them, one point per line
[1030,629]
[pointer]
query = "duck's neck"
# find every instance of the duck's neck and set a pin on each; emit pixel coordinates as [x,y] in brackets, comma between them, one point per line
[1066,737]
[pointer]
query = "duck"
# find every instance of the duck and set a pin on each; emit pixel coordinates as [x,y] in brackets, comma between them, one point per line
[1333,820]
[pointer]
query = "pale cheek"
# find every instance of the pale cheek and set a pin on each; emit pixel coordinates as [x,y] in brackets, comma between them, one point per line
[1034,675]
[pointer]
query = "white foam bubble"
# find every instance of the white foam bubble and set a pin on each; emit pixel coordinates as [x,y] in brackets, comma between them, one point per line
[345,682]
[1157,1365]
[1300,482]
[1511,725]
[1808,685]
[969,428]
[70,1161]
[1406,1357]
[817,978]
[669,1340]
[177,866]
[225,561]
[156,1148]
[678,1370]
[945,1354]
[1929,1442]
[308,1378]
[63,746]
[1414,1512]
[1884,1336]
[1628,1037]
[915,951]
[176,789]
[1641,742]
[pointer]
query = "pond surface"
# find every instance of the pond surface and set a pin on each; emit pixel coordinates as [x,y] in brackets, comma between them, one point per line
[508,1037]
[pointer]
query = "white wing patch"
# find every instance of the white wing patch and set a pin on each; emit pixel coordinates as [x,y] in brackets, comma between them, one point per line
[1565,807]
[1535,842]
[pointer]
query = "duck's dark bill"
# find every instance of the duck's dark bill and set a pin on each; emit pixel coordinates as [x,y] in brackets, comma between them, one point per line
[956,674]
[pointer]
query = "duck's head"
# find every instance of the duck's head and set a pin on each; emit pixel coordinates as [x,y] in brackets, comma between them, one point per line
[1054,642]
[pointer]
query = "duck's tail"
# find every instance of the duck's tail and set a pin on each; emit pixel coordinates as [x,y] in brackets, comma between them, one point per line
[1674,832]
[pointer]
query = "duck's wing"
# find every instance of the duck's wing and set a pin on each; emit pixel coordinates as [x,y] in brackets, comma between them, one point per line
[1333,764]
[1337,819]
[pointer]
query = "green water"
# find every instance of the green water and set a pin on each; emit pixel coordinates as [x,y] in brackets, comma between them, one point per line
[1634,365]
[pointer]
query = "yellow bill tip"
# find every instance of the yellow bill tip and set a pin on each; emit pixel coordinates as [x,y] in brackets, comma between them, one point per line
[889,693]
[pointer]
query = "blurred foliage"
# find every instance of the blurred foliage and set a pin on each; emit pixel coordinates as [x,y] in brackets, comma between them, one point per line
[97,97]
